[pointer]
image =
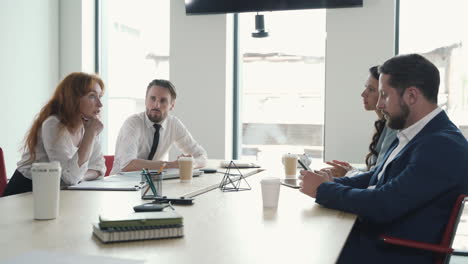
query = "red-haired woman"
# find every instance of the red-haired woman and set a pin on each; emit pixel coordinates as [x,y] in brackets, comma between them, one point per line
[66,130]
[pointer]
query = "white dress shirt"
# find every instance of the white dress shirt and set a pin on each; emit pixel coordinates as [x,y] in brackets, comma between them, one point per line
[136,138]
[54,143]
[406,135]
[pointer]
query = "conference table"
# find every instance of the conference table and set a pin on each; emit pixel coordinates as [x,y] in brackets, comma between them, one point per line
[220,227]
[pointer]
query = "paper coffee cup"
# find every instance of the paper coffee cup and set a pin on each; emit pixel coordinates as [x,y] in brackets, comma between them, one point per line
[290,165]
[270,191]
[46,189]
[185,169]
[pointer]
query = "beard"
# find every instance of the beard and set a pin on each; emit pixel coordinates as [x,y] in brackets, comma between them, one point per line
[398,121]
[155,118]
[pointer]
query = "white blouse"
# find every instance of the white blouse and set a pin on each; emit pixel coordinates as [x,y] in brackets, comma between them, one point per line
[55,144]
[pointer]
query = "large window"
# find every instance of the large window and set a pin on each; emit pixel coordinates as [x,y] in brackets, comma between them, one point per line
[282,85]
[135,50]
[437,30]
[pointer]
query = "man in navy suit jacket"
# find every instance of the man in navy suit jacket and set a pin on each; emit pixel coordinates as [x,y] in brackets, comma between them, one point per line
[409,196]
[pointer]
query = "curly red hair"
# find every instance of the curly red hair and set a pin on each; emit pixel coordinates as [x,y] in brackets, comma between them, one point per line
[65,104]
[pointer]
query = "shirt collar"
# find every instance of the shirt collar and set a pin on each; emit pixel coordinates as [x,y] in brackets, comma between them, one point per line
[410,132]
[149,123]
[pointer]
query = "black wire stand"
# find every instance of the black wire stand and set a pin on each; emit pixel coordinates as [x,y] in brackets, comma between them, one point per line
[232,182]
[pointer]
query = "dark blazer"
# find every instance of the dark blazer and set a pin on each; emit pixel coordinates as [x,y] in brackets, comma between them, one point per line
[412,199]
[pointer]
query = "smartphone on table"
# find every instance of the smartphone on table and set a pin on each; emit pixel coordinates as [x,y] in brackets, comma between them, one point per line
[294,183]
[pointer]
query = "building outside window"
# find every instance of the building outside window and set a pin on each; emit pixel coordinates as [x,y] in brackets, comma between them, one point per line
[134,50]
[439,34]
[282,80]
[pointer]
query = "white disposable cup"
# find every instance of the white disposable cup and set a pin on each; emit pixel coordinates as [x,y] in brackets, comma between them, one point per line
[185,169]
[46,189]
[270,191]
[290,165]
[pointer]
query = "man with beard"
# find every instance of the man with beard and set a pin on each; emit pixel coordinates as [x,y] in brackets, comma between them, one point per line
[410,195]
[145,138]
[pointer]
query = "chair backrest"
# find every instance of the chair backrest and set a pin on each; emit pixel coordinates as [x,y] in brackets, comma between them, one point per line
[3,176]
[443,249]
[109,162]
[452,222]
[449,232]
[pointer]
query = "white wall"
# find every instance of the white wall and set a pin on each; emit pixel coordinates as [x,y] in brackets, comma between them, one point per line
[201,70]
[41,42]
[28,68]
[357,38]
[76,36]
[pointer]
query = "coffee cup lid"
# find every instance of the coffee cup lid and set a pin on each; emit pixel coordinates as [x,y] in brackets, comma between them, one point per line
[270,180]
[46,165]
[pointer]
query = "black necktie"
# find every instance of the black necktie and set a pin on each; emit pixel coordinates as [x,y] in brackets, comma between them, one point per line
[155,141]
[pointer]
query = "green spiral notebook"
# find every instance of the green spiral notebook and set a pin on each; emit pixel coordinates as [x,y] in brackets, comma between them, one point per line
[162,218]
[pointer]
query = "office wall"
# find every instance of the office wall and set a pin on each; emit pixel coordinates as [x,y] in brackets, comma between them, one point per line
[77,38]
[28,68]
[201,69]
[357,38]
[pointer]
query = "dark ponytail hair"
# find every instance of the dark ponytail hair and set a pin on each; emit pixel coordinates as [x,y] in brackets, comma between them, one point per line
[374,72]
[371,159]
[379,127]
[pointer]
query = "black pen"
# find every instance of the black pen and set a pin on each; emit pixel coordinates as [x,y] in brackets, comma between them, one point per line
[303,165]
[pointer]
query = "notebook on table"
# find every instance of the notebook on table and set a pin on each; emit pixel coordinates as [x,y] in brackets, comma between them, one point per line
[139,226]
[166,217]
[137,233]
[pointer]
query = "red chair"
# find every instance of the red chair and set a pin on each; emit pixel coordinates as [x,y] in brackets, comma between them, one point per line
[443,249]
[109,162]
[3,176]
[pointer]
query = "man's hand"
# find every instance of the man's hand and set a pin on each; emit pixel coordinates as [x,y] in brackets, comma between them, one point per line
[338,168]
[175,163]
[310,181]
[172,164]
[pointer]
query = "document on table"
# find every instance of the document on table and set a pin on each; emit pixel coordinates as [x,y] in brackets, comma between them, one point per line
[241,164]
[169,173]
[45,257]
[118,182]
